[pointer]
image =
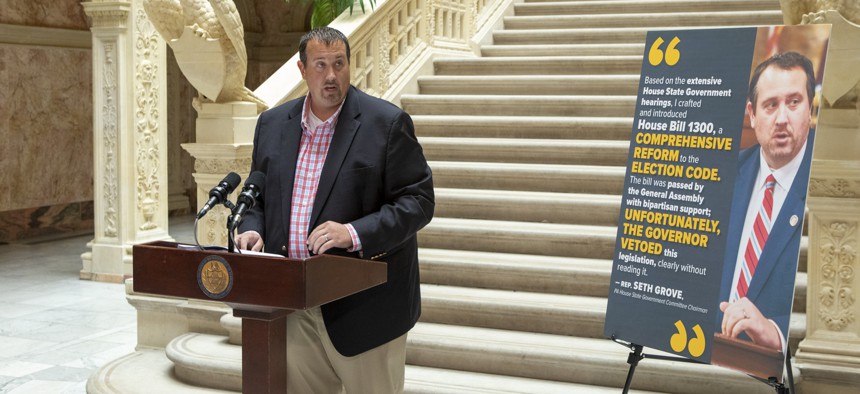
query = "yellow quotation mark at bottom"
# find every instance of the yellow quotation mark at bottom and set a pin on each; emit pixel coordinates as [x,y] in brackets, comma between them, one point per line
[695,346]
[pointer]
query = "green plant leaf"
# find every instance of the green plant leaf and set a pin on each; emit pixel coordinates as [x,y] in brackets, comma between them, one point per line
[325,11]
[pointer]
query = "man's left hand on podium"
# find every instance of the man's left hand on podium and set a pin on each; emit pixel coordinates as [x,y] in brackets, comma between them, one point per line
[743,316]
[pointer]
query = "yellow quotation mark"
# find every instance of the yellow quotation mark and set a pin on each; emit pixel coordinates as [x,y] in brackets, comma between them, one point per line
[696,346]
[671,54]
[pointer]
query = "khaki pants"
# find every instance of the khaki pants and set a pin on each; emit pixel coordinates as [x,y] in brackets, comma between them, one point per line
[315,367]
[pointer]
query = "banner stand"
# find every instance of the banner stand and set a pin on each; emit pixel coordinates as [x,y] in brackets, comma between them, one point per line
[636,355]
[779,387]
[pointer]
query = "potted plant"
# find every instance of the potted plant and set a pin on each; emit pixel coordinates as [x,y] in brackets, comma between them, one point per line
[326,10]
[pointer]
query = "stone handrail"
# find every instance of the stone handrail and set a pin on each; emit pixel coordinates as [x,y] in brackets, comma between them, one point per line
[390,43]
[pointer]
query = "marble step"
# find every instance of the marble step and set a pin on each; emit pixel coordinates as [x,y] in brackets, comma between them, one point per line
[802,256]
[623,85]
[474,306]
[606,106]
[549,239]
[573,315]
[540,65]
[206,360]
[801,283]
[147,371]
[474,237]
[594,35]
[571,1]
[590,361]
[635,49]
[557,127]
[543,207]
[534,273]
[518,272]
[640,6]
[560,314]
[424,380]
[529,177]
[662,19]
[476,360]
[537,151]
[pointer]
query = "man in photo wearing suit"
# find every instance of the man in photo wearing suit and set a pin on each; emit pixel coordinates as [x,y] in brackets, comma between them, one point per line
[344,175]
[768,204]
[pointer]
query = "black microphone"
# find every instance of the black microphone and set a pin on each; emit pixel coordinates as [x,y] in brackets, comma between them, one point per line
[219,193]
[248,198]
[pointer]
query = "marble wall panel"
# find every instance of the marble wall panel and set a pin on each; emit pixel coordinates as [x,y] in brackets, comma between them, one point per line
[40,223]
[46,154]
[66,14]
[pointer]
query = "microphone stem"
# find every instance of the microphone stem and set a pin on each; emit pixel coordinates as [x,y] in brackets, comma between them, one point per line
[231,247]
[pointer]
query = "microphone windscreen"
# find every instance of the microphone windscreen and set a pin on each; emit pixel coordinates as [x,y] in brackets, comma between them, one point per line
[257,178]
[232,179]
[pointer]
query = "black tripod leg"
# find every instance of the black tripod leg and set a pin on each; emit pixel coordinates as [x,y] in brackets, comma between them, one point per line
[789,373]
[633,360]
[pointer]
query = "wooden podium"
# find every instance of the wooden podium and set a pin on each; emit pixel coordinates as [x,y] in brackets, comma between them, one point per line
[748,357]
[262,290]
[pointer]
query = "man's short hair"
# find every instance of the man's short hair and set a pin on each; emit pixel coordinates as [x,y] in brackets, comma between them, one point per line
[327,36]
[785,61]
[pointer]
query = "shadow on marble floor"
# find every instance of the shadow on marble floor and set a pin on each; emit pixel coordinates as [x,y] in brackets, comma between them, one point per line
[55,329]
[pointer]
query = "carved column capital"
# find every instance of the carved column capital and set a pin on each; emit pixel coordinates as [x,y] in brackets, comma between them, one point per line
[107,14]
[834,187]
[833,178]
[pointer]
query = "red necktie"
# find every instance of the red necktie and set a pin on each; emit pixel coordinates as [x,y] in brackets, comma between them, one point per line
[758,236]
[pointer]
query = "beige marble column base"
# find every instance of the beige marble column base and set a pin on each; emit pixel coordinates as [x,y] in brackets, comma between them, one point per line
[225,133]
[161,319]
[106,263]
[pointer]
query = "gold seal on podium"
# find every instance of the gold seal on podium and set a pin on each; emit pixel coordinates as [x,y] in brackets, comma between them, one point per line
[215,277]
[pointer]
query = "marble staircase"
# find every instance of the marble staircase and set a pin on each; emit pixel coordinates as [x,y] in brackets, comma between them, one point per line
[528,144]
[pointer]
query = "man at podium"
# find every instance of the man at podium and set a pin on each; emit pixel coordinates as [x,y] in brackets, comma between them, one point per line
[344,175]
[768,204]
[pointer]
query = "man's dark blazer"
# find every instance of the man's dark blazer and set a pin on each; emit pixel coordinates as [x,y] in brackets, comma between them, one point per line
[375,177]
[772,285]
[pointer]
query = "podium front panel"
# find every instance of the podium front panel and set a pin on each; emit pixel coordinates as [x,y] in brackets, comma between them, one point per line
[167,268]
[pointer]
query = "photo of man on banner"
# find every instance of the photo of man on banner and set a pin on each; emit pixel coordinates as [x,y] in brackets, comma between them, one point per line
[767,214]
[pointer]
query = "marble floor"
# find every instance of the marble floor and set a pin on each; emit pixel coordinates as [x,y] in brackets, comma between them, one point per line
[55,329]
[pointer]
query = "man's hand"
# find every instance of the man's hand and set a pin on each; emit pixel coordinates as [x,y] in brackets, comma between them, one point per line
[329,235]
[743,316]
[249,240]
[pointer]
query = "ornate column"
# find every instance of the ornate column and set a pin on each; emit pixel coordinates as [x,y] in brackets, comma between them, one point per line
[129,136]
[829,356]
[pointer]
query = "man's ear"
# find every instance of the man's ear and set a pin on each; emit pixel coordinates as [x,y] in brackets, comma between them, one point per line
[301,68]
[751,112]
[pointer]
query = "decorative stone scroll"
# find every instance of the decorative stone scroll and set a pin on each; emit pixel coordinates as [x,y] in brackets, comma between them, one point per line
[838,256]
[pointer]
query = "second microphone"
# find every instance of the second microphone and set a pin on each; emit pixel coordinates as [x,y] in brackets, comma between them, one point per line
[247,199]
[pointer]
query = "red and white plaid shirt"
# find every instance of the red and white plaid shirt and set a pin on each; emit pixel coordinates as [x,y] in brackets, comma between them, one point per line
[313,150]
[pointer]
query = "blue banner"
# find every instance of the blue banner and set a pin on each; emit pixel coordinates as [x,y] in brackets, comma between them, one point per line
[694,272]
